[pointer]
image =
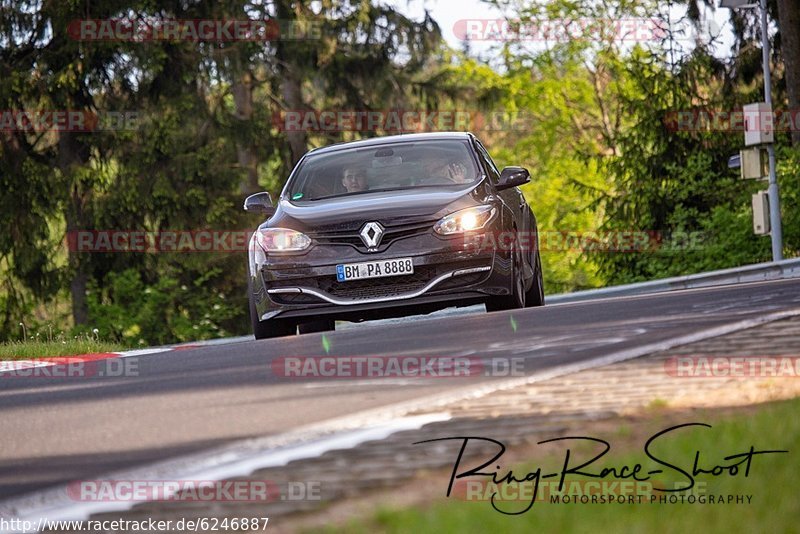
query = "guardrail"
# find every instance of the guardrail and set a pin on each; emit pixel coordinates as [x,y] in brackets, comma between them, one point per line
[748,273]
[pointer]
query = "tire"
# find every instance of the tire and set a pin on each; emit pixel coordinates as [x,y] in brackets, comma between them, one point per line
[271,327]
[516,299]
[535,295]
[321,325]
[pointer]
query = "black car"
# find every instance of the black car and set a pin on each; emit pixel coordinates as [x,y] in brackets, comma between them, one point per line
[392,226]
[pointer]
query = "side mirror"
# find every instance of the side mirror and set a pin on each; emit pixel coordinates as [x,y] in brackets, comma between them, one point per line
[512,177]
[259,203]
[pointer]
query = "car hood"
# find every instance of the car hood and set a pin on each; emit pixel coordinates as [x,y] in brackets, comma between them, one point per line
[405,205]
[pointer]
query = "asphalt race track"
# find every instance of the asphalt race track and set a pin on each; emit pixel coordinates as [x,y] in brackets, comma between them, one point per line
[193,399]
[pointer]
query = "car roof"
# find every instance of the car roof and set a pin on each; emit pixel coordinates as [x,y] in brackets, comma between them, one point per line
[376,141]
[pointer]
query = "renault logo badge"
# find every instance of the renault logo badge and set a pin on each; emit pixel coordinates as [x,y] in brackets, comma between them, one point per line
[371,234]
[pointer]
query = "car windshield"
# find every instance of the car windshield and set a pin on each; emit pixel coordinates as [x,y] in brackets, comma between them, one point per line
[387,167]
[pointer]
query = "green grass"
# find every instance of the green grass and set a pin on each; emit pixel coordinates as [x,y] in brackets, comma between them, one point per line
[773,484]
[28,350]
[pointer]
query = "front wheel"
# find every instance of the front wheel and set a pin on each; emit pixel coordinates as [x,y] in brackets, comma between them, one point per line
[535,295]
[516,299]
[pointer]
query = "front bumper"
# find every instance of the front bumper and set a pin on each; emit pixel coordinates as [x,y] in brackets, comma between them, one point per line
[449,272]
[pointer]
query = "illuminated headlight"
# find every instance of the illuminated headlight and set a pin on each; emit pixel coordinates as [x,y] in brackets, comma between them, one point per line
[283,240]
[464,220]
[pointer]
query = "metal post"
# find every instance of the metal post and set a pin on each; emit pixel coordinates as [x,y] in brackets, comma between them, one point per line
[776,232]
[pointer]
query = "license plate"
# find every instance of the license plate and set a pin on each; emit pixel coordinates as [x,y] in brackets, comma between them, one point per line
[374,269]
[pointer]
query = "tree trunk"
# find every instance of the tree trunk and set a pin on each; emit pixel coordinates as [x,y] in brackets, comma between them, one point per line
[291,88]
[77,290]
[789,25]
[245,155]
[80,277]
[293,97]
[72,155]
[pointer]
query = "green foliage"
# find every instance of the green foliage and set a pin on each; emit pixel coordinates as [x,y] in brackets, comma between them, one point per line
[675,182]
[134,313]
[789,182]
[195,150]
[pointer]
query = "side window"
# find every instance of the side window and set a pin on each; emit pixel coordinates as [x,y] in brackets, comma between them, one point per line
[494,174]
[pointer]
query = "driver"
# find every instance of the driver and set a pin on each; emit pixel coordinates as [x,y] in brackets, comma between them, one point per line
[354,179]
[440,170]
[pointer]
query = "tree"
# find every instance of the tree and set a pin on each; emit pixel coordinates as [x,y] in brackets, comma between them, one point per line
[43,69]
[789,23]
[205,137]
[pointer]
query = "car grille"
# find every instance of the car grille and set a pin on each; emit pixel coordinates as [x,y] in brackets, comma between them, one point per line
[390,235]
[296,298]
[370,288]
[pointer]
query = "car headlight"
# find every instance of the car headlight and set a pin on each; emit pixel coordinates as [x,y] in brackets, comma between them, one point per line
[464,220]
[282,240]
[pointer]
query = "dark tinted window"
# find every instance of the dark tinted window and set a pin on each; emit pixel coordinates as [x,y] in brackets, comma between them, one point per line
[392,166]
[494,173]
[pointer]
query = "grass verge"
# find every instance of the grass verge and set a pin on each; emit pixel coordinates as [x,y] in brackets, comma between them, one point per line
[29,350]
[772,483]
